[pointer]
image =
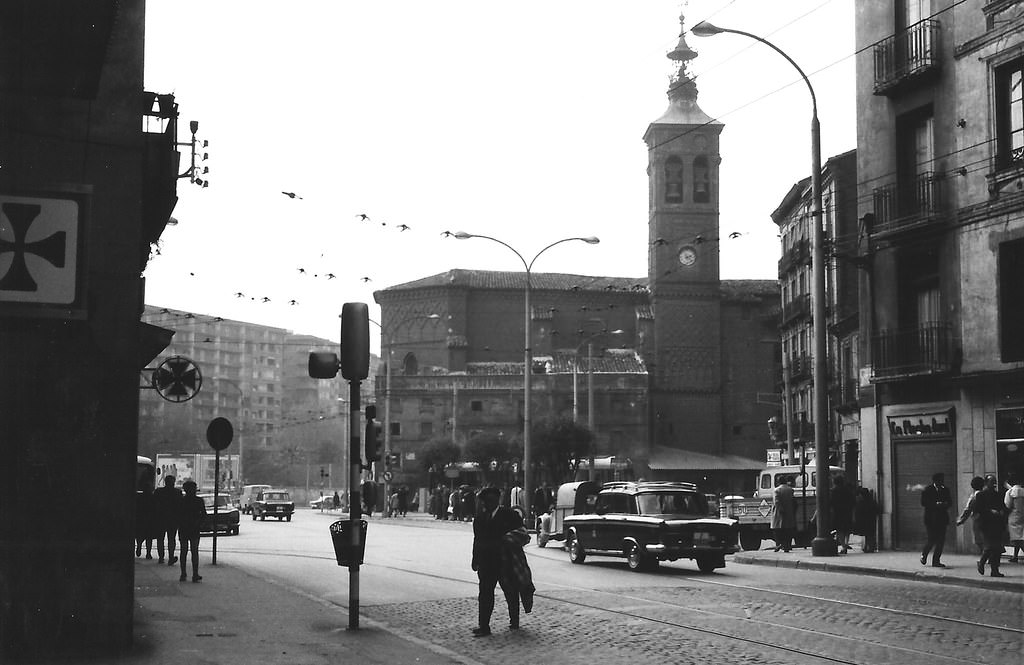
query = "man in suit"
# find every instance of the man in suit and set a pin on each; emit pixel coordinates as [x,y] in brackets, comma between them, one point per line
[490,524]
[936,500]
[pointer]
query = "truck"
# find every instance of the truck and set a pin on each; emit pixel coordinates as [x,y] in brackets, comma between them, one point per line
[754,514]
[199,467]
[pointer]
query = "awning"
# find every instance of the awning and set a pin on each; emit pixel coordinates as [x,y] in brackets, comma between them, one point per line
[676,459]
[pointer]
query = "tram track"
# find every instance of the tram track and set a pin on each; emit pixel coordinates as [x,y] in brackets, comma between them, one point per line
[784,635]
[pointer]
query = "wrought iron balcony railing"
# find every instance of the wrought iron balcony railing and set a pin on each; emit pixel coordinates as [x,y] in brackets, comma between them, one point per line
[798,307]
[922,350]
[908,205]
[906,56]
[797,255]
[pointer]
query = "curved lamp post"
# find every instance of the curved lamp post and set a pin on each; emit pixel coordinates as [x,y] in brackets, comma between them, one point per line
[822,544]
[527,351]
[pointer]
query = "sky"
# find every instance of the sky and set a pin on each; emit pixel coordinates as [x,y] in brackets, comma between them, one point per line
[522,121]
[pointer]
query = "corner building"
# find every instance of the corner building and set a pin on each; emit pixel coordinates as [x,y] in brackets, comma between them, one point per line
[940,162]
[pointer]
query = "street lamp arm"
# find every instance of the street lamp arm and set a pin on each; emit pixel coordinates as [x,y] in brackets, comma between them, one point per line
[462,235]
[590,240]
[705,29]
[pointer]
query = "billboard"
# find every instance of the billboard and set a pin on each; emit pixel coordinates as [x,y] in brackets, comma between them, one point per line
[197,467]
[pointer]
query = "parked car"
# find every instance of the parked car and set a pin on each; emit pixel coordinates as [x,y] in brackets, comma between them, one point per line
[649,522]
[249,493]
[226,519]
[273,503]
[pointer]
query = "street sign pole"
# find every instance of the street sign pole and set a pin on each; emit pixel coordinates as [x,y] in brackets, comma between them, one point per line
[354,504]
[218,434]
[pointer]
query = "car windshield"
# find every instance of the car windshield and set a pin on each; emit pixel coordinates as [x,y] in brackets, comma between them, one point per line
[672,503]
[222,500]
[276,496]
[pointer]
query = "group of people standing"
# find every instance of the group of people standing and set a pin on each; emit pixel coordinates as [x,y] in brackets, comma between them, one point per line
[165,513]
[852,512]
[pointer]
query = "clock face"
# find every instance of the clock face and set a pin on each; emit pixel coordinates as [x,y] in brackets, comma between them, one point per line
[687,256]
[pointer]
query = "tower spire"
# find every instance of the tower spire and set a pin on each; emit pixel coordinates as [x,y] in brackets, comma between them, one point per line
[682,86]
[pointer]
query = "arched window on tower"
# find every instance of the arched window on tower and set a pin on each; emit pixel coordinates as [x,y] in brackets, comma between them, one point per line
[410,366]
[673,180]
[701,180]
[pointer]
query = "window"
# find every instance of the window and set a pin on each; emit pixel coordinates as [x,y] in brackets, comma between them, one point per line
[701,180]
[396,429]
[673,180]
[1010,115]
[426,429]
[1011,300]
[476,405]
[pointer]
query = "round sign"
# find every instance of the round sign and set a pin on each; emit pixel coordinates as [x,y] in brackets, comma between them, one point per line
[387,476]
[177,379]
[219,433]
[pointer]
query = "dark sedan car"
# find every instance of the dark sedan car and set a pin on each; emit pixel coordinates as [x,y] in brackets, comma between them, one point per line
[648,522]
[226,520]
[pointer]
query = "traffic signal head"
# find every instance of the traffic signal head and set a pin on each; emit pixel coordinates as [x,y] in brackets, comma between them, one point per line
[355,341]
[372,440]
[323,365]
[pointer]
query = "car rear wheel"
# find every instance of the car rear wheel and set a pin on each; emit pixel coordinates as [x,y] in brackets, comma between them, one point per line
[576,553]
[750,541]
[637,560]
[708,564]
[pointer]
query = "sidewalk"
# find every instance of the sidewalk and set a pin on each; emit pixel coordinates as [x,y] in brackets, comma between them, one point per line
[960,570]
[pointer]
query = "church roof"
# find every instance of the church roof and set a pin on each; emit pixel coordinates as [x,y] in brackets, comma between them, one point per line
[495,279]
[731,289]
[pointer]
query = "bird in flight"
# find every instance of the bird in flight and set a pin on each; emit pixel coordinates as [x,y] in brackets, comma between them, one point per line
[291,195]
[330,275]
[735,234]
[302,271]
[293,302]
[265,299]
[239,294]
[363,216]
[403,227]
[365,279]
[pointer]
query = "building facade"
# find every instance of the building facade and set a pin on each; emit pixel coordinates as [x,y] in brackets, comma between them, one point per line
[940,121]
[795,433]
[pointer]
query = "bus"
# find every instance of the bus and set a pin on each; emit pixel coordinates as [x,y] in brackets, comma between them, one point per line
[145,475]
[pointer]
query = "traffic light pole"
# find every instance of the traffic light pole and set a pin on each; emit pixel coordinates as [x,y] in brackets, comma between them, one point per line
[354,504]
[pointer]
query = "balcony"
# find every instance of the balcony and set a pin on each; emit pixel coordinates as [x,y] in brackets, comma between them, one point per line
[908,206]
[801,368]
[797,255]
[908,57]
[798,308]
[920,351]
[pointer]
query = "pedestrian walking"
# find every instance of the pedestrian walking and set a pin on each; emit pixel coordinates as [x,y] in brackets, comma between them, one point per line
[1014,502]
[865,518]
[977,484]
[841,502]
[936,500]
[191,512]
[165,508]
[145,524]
[336,500]
[489,527]
[783,515]
[991,511]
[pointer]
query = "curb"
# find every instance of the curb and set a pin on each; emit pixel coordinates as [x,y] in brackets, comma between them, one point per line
[891,573]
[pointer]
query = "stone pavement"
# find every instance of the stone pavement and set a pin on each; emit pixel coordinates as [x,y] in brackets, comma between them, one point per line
[233,617]
[961,569]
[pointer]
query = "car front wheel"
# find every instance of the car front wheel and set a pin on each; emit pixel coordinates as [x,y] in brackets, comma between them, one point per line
[289,518]
[708,564]
[576,553]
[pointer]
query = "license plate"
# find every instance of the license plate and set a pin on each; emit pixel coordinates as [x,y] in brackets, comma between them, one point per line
[703,538]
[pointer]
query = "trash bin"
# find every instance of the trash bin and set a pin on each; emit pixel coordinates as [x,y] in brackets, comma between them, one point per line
[341,536]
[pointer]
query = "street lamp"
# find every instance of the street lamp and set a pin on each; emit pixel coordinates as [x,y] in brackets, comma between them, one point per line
[527,351]
[822,544]
[589,341]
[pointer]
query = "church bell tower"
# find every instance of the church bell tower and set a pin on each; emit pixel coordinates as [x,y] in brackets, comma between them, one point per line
[683,267]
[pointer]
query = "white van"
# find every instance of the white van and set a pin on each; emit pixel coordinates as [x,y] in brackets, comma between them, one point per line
[249,493]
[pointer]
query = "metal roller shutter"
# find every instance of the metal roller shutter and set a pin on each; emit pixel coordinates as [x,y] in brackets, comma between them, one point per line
[915,463]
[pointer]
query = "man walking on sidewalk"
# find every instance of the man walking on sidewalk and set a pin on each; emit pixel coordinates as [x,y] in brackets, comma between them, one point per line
[165,505]
[936,500]
[990,511]
[489,526]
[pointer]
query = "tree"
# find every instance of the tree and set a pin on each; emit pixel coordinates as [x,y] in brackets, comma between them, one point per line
[559,446]
[486,447]
[439,453]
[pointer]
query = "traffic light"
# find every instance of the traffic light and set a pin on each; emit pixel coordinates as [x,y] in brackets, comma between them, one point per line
[393,461]
[355,341]
[372,437]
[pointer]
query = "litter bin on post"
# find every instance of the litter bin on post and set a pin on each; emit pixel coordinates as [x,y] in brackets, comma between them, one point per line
[341,536]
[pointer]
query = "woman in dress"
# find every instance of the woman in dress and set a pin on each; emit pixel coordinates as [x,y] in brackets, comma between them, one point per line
[1014,501]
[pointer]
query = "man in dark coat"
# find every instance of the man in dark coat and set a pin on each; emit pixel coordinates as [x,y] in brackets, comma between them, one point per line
[990,512]
[490,524]
[165,506]
[936,500]
[191,512]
